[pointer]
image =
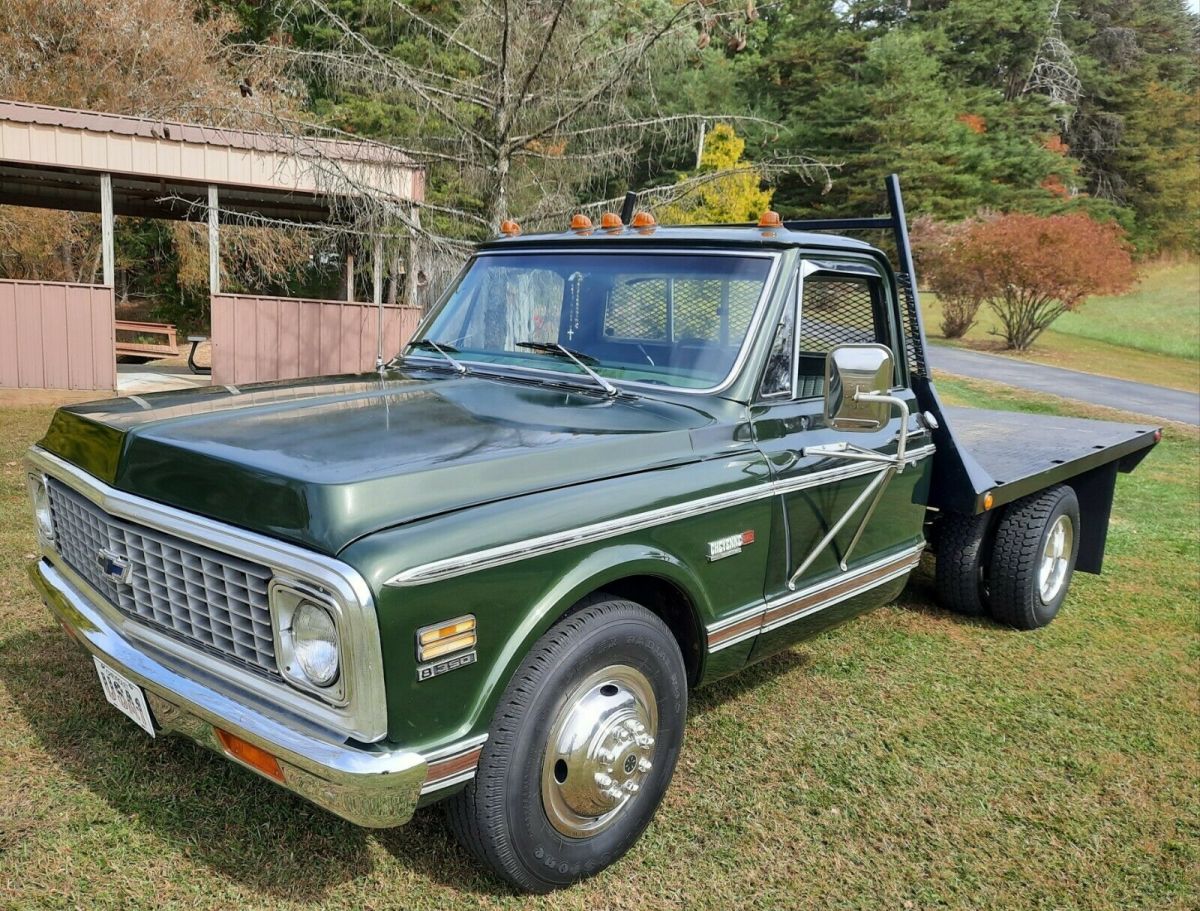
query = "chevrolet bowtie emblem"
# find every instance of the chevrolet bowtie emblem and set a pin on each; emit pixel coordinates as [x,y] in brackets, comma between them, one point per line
[115,566]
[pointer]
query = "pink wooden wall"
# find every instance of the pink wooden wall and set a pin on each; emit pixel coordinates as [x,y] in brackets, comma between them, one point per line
[56,336]
[268,338]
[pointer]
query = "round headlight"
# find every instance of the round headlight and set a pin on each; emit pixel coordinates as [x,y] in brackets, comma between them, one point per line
[41,510]
[315,643]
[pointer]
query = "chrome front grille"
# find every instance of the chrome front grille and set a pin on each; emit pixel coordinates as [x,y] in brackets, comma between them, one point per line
[210,599]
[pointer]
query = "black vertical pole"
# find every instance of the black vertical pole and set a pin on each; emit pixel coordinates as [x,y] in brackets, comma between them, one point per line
[628,206]
[904,249]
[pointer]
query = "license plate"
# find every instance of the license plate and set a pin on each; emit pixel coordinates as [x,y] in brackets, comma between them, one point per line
[125,695]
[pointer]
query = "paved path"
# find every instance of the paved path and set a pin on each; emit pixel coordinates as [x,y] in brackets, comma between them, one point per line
[1142,398]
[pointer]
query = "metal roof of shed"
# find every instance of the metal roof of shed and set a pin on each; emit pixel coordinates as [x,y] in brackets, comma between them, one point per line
[53,157]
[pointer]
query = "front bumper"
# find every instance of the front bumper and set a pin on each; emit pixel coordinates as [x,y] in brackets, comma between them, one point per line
[370,786]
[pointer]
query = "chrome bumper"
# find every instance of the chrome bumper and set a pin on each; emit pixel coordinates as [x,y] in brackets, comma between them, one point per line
[370,786]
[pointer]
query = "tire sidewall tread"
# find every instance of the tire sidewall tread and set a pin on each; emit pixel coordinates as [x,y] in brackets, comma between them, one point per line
[499,815]
[1015,597]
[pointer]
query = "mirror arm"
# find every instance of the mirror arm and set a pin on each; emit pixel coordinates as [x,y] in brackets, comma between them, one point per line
[902,437]
[874,489]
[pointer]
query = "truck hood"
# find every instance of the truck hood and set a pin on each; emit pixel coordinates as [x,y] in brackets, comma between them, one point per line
[324,462]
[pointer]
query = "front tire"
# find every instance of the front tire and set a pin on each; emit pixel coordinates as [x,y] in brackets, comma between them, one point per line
[1037,543]
[581,749]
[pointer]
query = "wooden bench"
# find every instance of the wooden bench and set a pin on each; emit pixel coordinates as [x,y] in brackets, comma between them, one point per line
[138,346]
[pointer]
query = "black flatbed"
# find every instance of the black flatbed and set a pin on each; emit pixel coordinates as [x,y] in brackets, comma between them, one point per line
[1011,455]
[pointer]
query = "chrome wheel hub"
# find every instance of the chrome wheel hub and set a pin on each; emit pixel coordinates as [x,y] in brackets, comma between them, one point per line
[1056,559]
[600,749]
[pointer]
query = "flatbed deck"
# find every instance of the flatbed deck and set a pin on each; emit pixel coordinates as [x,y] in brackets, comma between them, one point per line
[1022,453]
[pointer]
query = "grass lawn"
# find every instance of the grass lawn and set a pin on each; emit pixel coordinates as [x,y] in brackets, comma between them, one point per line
[908,760]
[1151,334]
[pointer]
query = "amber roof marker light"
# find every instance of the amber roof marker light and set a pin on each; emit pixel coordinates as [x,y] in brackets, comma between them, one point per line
[580,222]
[611,221]
[509,228]
[770,219]
[643,222]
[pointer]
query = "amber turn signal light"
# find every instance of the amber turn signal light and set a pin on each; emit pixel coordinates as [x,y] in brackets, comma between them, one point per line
[510,227]
[255,757]
[444,638]
[988,501]
[770,220]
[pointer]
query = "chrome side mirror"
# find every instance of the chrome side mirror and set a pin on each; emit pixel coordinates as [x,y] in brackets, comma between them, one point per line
[851,373]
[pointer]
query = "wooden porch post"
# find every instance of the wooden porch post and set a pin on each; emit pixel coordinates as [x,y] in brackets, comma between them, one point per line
[106,231]
[214,244]
[377,296]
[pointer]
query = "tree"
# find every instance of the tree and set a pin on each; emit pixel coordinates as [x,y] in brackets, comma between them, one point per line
[521,104]
[1137,125]
[733,194]
[938,248]
[958,148]
[151,58]
[1031,269]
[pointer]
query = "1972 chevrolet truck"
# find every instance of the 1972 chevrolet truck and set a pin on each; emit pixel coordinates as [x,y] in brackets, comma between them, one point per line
[614,464]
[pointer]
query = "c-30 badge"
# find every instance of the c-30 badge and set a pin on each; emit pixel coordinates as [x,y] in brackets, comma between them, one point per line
[727,547]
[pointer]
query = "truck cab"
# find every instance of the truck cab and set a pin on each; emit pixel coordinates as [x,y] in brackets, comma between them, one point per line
[614,463]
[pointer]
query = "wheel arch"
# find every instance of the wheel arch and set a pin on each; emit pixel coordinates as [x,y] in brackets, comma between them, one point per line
[640,573]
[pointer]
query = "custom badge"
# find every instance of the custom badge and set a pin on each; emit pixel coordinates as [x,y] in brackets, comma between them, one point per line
[727,547]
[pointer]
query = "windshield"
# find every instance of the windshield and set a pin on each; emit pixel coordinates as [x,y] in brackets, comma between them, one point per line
[663,318]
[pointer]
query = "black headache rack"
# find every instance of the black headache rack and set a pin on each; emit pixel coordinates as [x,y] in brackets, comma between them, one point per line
[985,459]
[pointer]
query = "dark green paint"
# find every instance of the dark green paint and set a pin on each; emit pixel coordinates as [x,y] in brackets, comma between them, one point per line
[393,471]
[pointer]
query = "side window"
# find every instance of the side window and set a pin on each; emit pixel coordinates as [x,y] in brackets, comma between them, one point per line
[835,310]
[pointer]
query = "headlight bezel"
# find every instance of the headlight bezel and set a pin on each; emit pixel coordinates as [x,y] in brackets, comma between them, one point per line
[286,598]
[39,497]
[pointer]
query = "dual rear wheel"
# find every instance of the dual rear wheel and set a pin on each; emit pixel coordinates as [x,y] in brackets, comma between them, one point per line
[1016,568]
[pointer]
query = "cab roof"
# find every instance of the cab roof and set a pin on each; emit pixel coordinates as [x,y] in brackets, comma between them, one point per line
[685,235]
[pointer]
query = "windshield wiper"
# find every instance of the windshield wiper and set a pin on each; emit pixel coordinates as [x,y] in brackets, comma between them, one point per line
[556,350]
[444,350]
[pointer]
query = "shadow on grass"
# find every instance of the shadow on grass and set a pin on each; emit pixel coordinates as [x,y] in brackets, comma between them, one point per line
[751,677]
[206,807]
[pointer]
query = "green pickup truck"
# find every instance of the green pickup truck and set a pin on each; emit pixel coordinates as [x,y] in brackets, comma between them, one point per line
[613,464]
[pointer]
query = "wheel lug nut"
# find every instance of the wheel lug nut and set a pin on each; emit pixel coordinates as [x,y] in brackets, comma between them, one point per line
[636,726]
[603,780]
[623,735]
[614,793]
[644,765]
[645,740]
[632,787]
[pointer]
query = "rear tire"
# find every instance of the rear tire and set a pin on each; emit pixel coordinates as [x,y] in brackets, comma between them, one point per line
[581,748]
[1033,559]
[961,566]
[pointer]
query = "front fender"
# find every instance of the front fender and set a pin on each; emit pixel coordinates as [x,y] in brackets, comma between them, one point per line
[515,603]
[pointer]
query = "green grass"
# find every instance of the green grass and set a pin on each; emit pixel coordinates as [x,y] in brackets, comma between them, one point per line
[1161,315]
[1150,335]
[910,759]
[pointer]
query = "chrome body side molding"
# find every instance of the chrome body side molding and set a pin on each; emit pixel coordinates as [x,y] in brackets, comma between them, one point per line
[453,764]
[599,531]
[771,615]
